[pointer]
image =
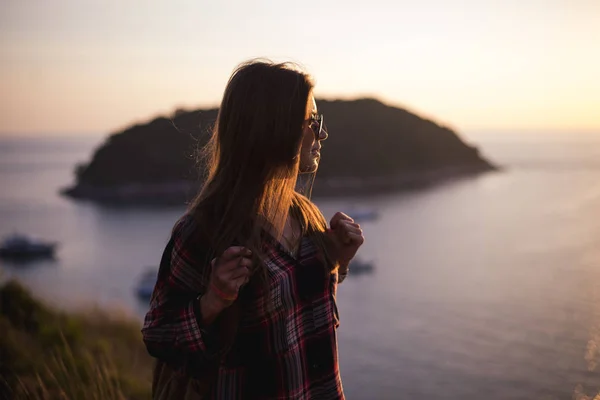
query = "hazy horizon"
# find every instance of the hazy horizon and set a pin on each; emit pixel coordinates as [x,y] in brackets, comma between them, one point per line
[469,135]
[71,68]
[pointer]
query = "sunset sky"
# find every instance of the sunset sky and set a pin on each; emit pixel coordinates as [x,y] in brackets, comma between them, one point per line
[75,67]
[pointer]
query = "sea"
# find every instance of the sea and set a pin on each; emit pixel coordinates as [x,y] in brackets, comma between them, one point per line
[485,287]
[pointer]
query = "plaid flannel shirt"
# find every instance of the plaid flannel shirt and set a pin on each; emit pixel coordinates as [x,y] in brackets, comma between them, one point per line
[285,346]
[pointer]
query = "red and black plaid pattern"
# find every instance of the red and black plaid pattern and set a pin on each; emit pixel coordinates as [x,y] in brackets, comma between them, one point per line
[285,346]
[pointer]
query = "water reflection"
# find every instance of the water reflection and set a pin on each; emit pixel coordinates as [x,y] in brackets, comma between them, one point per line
[484,288]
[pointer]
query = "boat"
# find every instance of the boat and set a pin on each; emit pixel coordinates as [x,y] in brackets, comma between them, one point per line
[363,214]
[19,246]
[145,286]
[359,267]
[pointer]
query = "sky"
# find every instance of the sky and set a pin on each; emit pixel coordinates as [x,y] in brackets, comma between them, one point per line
[77,67]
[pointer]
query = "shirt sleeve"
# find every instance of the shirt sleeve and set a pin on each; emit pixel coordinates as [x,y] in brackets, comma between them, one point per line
[173,330]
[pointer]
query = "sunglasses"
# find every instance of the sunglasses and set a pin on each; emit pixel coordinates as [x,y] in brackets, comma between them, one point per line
[316,125]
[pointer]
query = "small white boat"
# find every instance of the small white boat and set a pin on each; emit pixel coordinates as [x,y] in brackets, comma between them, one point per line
[145,286]
[359,267]
[363,214]
[19,246]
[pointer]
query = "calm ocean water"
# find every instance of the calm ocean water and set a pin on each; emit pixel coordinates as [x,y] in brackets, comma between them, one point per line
[484,288]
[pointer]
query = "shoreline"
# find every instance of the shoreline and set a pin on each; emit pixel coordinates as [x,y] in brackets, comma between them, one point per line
[181,192]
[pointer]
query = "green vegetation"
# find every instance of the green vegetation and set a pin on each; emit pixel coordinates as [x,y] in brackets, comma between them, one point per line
[47,354]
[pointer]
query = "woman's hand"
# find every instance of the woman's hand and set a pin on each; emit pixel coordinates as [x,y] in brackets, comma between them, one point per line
[229,272]
[346,236]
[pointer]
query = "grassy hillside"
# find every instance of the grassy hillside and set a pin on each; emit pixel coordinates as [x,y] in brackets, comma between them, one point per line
[47,354]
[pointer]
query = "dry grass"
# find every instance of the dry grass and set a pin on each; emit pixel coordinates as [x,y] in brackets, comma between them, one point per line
[46,354]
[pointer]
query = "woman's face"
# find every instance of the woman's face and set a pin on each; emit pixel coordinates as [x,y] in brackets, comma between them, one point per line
[310,151]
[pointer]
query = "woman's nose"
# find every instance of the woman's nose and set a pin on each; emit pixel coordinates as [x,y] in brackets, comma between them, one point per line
[323,135]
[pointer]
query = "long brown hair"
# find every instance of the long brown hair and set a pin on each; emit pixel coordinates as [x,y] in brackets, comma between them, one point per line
[252,160]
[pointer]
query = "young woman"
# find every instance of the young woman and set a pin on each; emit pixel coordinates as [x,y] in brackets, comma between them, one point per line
[244,306]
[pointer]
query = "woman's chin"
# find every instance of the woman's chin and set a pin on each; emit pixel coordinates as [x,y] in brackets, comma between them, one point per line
[311,168]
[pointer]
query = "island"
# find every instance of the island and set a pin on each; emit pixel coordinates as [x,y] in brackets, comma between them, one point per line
[372,148]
